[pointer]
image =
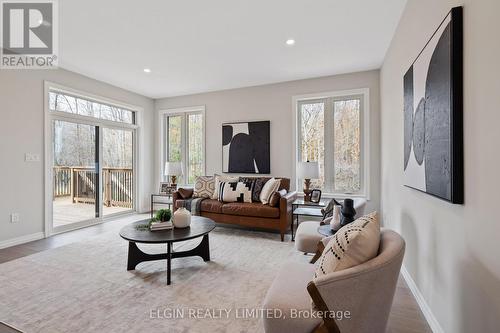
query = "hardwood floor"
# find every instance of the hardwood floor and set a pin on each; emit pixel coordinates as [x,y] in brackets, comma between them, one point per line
[405,316]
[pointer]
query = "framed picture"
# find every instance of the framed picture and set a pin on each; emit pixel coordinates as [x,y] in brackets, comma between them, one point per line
[246,147]
[166,188]
[433,124]
[316,196]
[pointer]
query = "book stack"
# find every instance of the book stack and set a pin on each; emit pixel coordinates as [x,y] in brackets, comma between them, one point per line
[155,226]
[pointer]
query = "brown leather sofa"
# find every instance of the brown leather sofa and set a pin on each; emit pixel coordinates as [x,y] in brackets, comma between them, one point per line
[253,214]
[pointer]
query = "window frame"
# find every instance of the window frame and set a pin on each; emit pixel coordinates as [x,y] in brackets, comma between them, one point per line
[184,112]
[51,115]
[329,98]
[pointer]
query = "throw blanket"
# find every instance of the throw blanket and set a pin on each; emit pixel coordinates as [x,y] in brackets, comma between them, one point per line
[193,205]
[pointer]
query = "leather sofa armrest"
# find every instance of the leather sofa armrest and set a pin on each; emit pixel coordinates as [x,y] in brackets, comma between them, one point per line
[177,196]
[286,211]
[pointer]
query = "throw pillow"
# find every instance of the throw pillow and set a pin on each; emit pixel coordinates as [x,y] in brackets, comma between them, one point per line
[258,183]
[269,188]
[352,245]
[218,179]
[275,198]
[235,192]
[185,193]
[204,187]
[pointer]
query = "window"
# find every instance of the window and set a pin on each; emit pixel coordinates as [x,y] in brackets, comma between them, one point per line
[91,153]
[330,132]
[62,102]
[184,141]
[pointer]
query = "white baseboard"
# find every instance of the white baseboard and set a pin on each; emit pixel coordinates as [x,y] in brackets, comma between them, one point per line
[21,240]
[426,310]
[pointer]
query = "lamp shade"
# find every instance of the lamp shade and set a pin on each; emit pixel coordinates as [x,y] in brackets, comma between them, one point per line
[173,168]
[308,170]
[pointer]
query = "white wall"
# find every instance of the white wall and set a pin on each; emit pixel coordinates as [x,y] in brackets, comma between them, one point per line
[452,250]
[274,102]
[22,131]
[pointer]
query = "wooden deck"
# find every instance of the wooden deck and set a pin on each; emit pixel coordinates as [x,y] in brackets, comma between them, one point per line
[65,212]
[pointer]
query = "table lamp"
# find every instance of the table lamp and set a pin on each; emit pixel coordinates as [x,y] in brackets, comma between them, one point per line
[173,169]
[307,171]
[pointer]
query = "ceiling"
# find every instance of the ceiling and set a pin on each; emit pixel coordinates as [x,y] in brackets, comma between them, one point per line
[198,46]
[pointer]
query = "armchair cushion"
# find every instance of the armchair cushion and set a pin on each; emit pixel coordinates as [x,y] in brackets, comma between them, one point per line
[288,293]
[352,245]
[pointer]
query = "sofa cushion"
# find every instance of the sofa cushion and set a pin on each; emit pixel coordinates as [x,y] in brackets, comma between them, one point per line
[211,206]
[235,191]
[218,179]
[352,245]
[250,209]
[274,201]
[289,293]
[204,187]
[269,188]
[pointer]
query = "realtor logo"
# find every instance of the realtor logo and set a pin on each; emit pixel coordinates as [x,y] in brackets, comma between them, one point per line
[28,34]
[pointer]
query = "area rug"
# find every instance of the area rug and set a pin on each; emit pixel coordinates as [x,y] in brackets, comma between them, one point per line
[85,287]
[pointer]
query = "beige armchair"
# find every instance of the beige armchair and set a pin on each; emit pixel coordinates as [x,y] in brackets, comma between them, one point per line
[363,293]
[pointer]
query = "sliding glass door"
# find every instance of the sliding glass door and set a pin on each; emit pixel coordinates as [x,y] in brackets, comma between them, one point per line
[91,161]
[75,173]
[117,170]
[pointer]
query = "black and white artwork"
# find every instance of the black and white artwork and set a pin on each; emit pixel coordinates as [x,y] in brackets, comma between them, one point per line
[246,147]
[433,147]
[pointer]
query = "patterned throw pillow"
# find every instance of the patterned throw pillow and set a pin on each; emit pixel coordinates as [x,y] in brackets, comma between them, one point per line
[235,192]
[271,186]
[204,187]
[258,183]
[218,180]
[352,245]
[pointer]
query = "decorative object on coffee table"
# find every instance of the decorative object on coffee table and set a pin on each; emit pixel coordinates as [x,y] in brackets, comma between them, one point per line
[246,147]
[200,227]
[307,171]
[347,212]
[182,218]
[433,114]
[163,215]
[172,170]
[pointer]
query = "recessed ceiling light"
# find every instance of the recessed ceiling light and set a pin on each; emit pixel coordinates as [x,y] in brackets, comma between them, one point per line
[290,42]
[147,70]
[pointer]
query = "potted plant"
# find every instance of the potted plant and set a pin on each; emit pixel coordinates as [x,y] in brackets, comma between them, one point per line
[163,215]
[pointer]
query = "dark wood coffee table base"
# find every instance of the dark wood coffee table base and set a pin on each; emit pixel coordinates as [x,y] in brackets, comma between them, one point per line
[136,256]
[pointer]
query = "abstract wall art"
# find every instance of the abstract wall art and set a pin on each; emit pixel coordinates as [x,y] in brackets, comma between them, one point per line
[246,147]
[433,124]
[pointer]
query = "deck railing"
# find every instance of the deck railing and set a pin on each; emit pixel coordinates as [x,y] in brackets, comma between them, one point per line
[80,184]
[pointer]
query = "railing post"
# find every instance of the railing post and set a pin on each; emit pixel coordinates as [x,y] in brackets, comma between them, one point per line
[107,189]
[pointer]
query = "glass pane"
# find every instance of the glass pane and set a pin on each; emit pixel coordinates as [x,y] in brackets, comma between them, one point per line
[347,156]
[75,180]
[117,171]
[66,103]
[195,147]
[174,141]
[312,117]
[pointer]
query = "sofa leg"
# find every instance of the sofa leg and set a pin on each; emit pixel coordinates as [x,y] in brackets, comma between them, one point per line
[282,236]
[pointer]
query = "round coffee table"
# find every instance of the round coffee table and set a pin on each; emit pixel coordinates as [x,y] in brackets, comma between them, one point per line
[200,227]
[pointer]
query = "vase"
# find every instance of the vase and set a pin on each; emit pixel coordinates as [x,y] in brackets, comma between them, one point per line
[348,212]
[182,218]
[335,222]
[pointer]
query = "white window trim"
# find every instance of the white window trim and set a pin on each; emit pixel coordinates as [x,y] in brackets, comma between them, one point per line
[50,115]
[365,138]
[162,131]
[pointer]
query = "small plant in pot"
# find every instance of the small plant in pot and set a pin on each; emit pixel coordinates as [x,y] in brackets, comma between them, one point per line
[163,215]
